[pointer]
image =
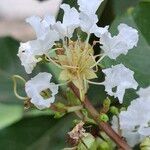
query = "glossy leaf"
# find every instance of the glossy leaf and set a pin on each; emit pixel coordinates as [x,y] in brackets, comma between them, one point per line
[40,133]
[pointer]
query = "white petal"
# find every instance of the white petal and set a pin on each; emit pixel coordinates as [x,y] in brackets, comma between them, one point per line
[70,22]
[27,57]
[38,84]
[120,44]
[71,15]
[89,7]
[49,20]
[99,31]
[118,79]
[128,35]
[144,93]
[132,138]
[145,131]
[35,22]
[136,120]
[88,22]
[42,46]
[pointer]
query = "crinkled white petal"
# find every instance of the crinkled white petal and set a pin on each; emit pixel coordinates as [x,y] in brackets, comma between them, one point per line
[71,15]
[132,137]
[41,26]
[88,22]
[29,51]
[144,92]
[89,7]
[120,44]
[49,21]
[118,79]
[99,31]
[128,35]
[42,46]
[38,84]
[136,120]
[27,57]
[70,22]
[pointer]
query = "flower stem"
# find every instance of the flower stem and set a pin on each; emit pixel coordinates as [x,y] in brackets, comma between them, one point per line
[102,125]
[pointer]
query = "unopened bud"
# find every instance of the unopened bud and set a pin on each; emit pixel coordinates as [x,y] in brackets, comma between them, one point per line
[104,118]
[114,110]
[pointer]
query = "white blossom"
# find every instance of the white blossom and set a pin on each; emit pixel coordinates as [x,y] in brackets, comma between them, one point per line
[136,120]
[144,93]
[120,44]
[46,37]
[27,57]
[118,79]
[89,7]
[132,138]
[88,24]
[38,84]
[88,17]
[41,26]
[70,21]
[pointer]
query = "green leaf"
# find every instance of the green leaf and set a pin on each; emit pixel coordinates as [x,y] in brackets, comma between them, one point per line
[40,133]
[9,114]
[122,5]
[138,58]
[116,8]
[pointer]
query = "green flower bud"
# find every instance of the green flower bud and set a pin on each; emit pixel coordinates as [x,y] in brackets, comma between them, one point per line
[104,118]
[102,144]
[145,145]
[114,110]
[106,103]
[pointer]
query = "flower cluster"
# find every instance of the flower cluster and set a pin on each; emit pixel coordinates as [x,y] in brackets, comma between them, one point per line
[55,44]
[76,58]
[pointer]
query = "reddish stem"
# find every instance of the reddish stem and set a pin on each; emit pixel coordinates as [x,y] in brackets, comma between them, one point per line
[102,125]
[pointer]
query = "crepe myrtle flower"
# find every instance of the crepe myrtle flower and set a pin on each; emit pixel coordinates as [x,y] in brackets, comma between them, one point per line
[88,17]
[75,58]
[70,22]
[121,43]
[41,91]
[118,78]
[134,123]
[30,52]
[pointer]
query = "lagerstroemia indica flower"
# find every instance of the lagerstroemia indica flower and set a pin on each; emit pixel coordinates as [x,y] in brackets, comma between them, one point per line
[27,57]
[121,43]
[69,23]
[41,91]
[118,79]
[135,121]
[33,49]
[88,17]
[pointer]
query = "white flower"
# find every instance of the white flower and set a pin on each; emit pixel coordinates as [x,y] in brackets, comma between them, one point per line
[46,37]
[144,93]
[136,120]
[38,84]
[132,138]
[70,22]
[89,7]
[88,18]
[43,46]
[120,44]
[40,26]
[27,57]
[118,79]
[88,24]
